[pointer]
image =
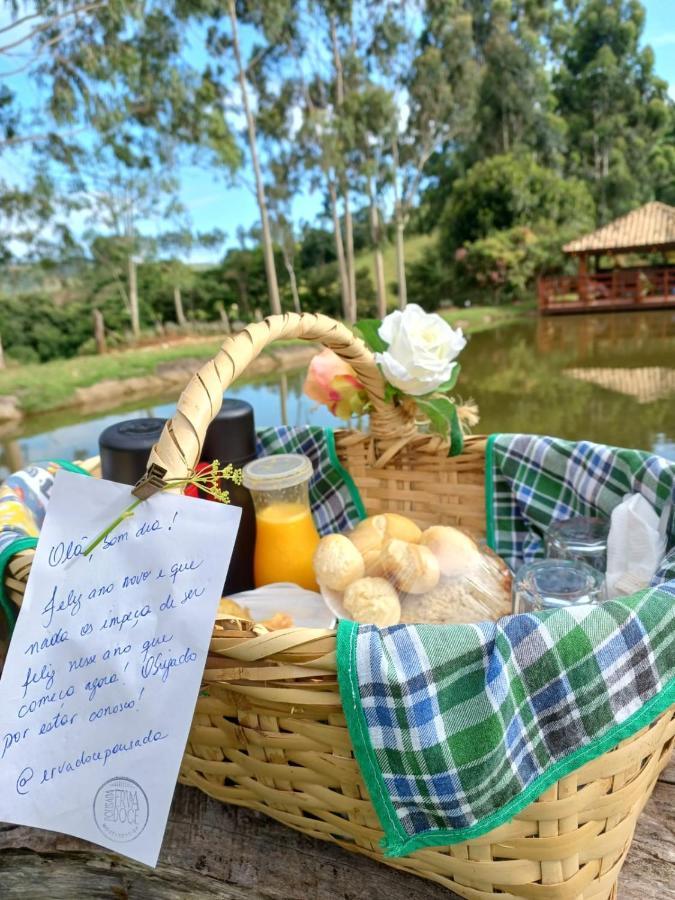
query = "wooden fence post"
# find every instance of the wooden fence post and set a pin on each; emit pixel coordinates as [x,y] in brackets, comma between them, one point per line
[224,318]
[178,303]
[99,332]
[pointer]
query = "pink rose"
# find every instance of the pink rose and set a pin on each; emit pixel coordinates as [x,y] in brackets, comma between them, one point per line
[332,381]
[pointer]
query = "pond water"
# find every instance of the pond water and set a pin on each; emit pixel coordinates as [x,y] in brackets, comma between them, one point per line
[607,377]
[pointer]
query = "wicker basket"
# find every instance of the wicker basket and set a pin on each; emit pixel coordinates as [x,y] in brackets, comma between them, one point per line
[269,732]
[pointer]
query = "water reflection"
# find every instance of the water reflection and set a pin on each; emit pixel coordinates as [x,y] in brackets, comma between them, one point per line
[277,400]
[517,374]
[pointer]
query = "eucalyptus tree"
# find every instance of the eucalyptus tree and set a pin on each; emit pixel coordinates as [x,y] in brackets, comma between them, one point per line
[367,121]
[323,161]
[516,107]
[272,25]
[618,112]
[177,275]
[430,66]
[284,185]
[343,43]
[129,206]
[114,93]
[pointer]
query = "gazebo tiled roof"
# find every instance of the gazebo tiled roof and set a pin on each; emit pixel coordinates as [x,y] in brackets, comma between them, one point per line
[651,226]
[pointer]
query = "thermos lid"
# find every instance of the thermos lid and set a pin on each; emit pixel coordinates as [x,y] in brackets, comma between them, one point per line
[277,472]
[125,448]
[230,438]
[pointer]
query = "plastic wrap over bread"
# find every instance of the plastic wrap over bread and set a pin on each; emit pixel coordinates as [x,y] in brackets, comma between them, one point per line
[388,570]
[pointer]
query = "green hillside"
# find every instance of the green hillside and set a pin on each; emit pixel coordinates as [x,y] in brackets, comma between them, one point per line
[415,246]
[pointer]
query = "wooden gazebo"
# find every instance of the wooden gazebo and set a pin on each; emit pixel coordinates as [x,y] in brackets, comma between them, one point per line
[649,229]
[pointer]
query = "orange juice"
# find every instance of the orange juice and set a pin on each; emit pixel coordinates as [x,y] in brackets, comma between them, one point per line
[286,539]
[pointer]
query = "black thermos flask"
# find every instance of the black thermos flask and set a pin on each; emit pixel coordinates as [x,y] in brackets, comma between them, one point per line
[230,438]
[125,448]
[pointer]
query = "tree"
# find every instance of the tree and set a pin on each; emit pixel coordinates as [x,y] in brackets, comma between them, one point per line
[506,220]
[176,275]
[268,249]
[243,269]
[114,71]
[432,75]
[509,190]
[516,107]
[325,71]
[115,199]
[321,159]
[617,111]
[367,116]
[513,105]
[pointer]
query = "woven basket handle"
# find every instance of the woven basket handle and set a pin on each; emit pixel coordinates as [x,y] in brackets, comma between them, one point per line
[179,447]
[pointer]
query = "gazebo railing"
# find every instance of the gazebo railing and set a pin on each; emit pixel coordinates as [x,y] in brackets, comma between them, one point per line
[651,286]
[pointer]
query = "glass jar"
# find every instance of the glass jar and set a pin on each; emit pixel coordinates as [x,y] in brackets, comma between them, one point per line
[555,583]
[582,537]
[286,536]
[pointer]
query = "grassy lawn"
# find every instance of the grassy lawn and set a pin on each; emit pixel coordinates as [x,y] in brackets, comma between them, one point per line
[50,386]
[481,318]
[44,386]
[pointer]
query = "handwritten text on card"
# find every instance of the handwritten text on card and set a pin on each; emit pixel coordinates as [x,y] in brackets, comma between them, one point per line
[105,663]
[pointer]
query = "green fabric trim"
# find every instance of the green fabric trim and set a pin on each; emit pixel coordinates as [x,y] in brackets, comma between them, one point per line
[329,434]
[71,467]
[24,543]
[396,841]
[490,492]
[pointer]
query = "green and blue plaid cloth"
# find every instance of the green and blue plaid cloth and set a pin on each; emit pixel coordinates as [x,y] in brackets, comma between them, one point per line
[533,481]
[456,728]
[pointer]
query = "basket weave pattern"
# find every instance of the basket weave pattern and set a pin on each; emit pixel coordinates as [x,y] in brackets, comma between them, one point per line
[269,732]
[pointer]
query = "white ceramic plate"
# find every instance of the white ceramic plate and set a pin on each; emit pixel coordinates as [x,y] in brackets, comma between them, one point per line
[308,609]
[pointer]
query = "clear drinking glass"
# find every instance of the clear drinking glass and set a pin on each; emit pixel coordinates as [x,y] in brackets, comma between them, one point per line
[555,583]
[582,538]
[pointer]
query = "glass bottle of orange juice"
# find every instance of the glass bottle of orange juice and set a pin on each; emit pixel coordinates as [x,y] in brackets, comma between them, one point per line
[286,536]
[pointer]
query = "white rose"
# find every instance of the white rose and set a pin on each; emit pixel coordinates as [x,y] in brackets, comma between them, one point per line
[421,352]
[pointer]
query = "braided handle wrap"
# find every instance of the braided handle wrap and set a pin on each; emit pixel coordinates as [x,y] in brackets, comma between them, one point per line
[179,447]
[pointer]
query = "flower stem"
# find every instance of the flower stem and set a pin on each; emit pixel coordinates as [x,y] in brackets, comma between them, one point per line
[207,481]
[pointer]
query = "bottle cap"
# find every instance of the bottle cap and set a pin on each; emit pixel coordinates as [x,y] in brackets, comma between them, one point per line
[125,448]
[277,472]
[230,438]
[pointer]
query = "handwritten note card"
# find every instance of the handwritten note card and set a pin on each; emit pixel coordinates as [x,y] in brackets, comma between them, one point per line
[104,667]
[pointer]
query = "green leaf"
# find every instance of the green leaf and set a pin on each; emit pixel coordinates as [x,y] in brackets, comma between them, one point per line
[391,393]
[451,382]
[367,328]
[456,435]
[439,410]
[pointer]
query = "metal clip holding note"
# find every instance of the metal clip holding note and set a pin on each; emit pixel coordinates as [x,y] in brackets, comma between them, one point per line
[150,483]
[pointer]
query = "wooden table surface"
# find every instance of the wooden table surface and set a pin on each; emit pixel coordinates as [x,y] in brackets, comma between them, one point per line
[217,852]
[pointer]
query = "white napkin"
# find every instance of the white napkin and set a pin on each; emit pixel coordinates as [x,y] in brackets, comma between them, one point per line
[635,546]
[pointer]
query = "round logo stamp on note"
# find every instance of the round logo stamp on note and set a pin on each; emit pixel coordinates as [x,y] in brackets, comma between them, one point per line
[121,809]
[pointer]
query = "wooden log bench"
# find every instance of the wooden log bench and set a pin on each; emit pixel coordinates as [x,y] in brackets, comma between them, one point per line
[217,852]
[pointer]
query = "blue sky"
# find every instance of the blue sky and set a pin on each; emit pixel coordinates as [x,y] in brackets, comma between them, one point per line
[213,203]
